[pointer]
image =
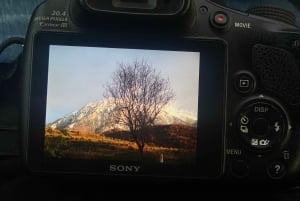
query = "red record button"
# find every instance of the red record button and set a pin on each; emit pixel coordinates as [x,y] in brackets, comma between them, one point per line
[220,19]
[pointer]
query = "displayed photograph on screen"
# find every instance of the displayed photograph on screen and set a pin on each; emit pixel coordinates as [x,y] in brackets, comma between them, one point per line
[115,104]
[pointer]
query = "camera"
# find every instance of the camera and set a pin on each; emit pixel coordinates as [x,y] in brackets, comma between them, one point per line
[158,88]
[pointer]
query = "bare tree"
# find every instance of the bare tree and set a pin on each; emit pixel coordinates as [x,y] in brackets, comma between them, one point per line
[138,93]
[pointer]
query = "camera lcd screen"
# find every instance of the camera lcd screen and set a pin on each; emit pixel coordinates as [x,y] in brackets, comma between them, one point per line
[106,104]
[122,104]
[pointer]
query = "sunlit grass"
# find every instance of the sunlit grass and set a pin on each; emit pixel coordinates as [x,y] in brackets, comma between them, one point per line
[99,147]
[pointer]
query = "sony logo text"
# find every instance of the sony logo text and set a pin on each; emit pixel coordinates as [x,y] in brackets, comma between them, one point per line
[124,168]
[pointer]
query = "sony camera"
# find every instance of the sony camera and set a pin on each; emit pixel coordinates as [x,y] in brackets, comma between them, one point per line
[159,88]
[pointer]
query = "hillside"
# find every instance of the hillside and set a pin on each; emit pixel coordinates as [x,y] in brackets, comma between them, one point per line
[179,136]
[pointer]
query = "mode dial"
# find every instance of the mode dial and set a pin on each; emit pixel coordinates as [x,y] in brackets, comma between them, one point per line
[275,13]
[263,123]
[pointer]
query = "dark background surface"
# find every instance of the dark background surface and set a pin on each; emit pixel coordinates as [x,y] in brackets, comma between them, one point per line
[16,185]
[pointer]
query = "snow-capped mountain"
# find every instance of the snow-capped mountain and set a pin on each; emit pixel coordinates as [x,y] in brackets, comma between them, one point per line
[93,118]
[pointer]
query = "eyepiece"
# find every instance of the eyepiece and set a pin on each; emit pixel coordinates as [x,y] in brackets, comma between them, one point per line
[136,4]
[136,7]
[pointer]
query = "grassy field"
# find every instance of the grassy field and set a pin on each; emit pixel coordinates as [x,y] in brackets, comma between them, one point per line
[98,147]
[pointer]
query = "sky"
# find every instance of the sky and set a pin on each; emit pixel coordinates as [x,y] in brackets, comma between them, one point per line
[77,75]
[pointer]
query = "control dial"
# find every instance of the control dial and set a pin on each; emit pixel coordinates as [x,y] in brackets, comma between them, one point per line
[275,13]
[263,123]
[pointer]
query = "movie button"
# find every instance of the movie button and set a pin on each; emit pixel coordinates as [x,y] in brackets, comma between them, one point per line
[240,169]
[220,20]
[244,83]
[276,170]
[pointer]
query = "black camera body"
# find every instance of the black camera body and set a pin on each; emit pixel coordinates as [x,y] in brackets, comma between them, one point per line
[237,73]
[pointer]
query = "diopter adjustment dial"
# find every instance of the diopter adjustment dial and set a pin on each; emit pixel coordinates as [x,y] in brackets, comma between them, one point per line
[263,123]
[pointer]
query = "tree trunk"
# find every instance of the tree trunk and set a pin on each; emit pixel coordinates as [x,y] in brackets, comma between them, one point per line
[139,142]
[141,150]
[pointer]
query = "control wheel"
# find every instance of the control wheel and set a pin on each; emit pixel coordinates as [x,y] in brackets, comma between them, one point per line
[263,123]
[273,12]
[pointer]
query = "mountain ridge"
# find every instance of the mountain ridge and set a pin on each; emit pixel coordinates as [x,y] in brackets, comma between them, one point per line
[92,118]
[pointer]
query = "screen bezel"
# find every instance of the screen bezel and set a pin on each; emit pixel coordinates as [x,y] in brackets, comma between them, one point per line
[211,104]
